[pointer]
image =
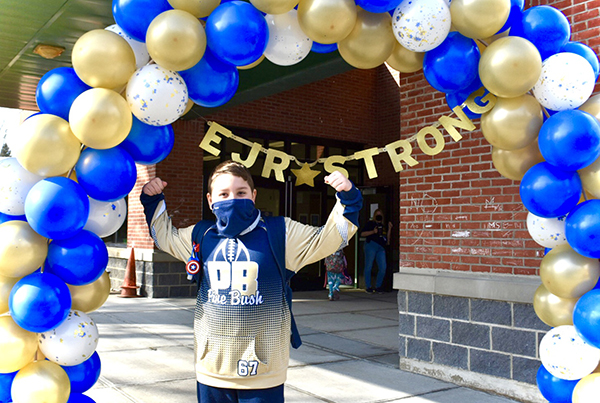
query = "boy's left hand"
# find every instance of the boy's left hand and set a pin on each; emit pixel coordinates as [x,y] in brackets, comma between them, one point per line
[338,181]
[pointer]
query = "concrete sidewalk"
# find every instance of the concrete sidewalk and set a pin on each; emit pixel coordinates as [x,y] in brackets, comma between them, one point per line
[349,353]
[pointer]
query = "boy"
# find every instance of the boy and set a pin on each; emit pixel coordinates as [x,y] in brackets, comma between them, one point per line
[243,323]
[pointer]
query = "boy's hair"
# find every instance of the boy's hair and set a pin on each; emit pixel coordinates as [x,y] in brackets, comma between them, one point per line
[232,168]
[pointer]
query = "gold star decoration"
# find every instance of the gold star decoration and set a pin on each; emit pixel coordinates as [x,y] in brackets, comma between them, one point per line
[305,175]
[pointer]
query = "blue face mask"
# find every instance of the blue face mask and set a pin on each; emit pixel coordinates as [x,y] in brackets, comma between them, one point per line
[234,216]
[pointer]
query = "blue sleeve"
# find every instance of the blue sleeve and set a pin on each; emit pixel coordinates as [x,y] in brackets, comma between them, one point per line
[352,200]
[150,204]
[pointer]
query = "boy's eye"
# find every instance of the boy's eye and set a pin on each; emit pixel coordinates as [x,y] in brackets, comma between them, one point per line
[223,194]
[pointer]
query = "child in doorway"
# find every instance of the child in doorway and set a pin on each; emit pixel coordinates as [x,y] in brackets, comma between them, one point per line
[243,323]
[336,266]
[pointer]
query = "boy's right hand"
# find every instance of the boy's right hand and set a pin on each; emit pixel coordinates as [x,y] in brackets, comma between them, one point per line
[154,187]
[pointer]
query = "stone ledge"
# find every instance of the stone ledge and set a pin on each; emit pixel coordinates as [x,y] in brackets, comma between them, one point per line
[497,287]
[141,255]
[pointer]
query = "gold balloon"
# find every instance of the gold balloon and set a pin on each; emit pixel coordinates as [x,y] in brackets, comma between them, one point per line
[274,6]
[515,163]
[587,389]
[404,60]
[102,58]
[590,178]
[327,21]
[592,106]
[552,309]
[100,118]
[513,123]
[371,41]
[89,297]
[253,64]
[176,40]
[568,274]
[198,8]
[479,18]
[46,145]
[17,345]
[22,250]
[510,67]
[6,285]
[41,381]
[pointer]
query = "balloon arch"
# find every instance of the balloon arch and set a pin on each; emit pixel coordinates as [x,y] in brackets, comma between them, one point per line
[130,81]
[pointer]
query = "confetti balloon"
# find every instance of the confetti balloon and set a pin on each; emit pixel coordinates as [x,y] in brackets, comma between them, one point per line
[566,355]
[566,82]
[421,25]
[157,96]
[15,183]
[547,232]
[142,57]
[287,44]
[106,217]
[71,343]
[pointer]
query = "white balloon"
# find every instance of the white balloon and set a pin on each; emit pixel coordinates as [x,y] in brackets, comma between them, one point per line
[288,44]
[157,96]
[566,355]
[106,217]
[566,82]
[548,232]
[142,57]
[421,25]
[15,183]
[72,342]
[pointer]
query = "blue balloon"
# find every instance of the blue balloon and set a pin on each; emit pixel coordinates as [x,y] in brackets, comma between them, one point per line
[237,33]
[79,260]
[586,317]
[584,51]
[378,6]
[546,250]
[83,376]
[322,48]
[549,192]
[39,302]
[7,217]
[454,99]
[148,144]
[212,82]
[570,140]
[57,90]
[544,26]
[106,175]
[57,207]
[516,13]
[79,398]
[453,65]
[6,381]
[582,228]
[555,390]
[135,16]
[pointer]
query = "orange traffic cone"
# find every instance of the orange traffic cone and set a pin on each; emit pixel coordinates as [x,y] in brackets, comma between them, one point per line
[129,287]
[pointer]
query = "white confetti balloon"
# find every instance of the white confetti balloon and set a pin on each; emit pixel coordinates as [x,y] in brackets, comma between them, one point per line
[566,355]
[288,44]
[421,25]
[71,343]
[566,82]
[157,96]
[106,217]
[15,183]
[548,232]
[142,57]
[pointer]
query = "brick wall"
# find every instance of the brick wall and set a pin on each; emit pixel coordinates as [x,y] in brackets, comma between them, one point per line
[457,212]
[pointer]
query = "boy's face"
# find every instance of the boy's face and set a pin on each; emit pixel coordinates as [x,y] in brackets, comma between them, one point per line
[227,186]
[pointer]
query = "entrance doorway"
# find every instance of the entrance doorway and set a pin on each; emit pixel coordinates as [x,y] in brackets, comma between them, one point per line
[306,204]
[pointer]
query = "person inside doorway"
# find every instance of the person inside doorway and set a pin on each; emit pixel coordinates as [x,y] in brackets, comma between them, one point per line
[243,322]
[376,243]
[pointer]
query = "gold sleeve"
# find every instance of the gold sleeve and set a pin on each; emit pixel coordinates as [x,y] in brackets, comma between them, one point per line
[306,244]
[176,242]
